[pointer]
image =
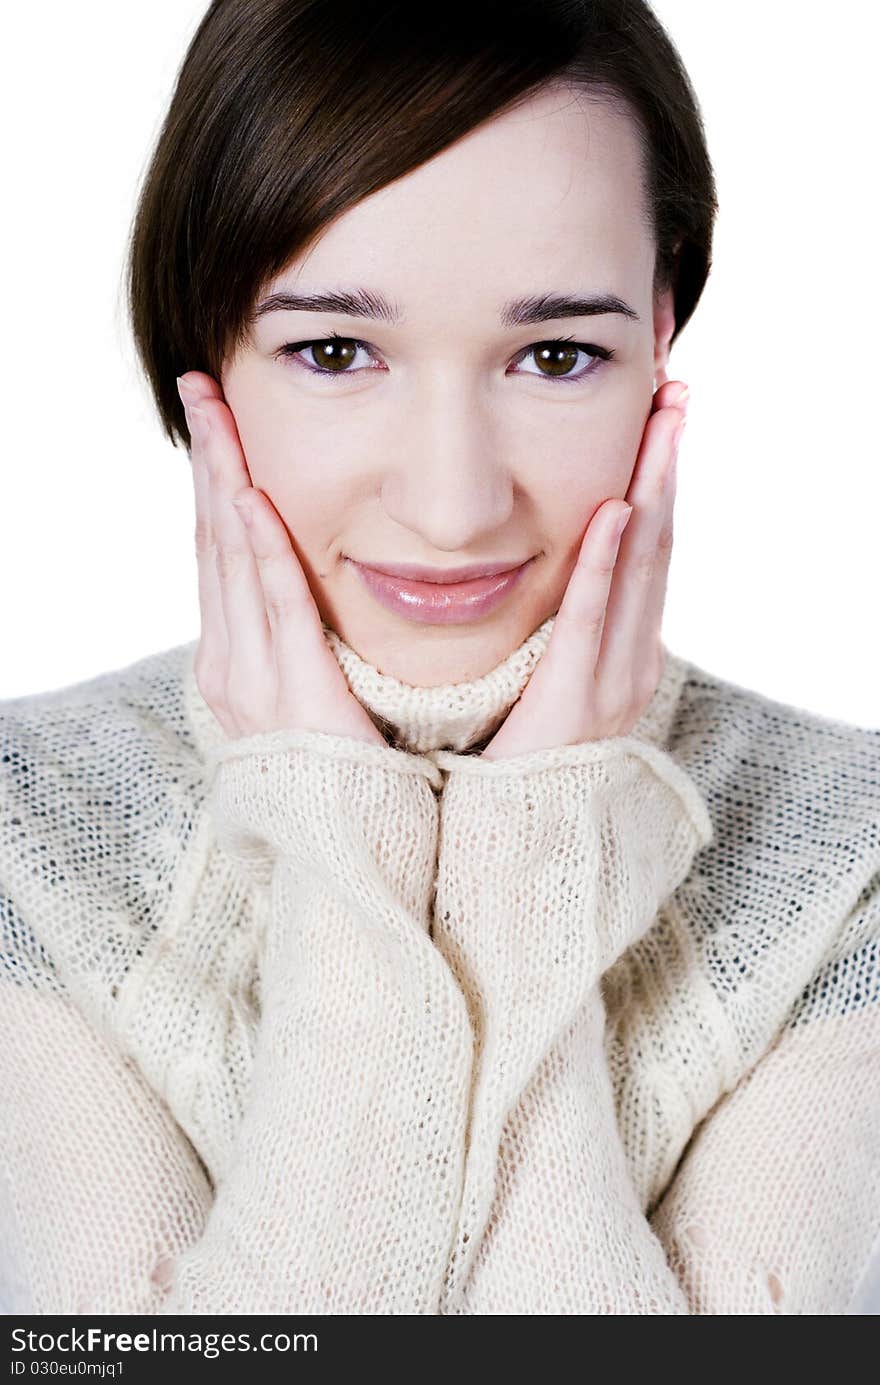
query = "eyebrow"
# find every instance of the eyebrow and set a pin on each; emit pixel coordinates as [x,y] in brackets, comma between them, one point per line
[517,312]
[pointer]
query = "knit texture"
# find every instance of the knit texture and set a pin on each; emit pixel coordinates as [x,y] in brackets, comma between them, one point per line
[296,1023]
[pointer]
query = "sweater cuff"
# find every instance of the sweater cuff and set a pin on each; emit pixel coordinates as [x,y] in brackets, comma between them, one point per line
[596,760]
[600,833]
[357,816]
[321,744]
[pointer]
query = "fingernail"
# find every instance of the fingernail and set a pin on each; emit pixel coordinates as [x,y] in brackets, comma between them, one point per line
[682,400]
[622,522]
[188,393]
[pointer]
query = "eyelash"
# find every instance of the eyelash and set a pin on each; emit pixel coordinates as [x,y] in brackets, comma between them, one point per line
[600,356]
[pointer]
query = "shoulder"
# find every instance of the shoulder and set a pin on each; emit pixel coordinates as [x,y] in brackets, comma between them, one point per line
[789,882]
[153,686]
[124,729]
[99,785]
[806,780]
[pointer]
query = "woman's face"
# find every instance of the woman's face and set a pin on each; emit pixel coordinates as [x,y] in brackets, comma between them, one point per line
[442,439]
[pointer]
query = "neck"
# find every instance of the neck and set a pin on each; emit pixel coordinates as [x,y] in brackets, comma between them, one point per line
[451,716]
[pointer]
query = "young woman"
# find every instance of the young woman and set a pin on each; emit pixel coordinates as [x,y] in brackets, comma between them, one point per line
[427,937]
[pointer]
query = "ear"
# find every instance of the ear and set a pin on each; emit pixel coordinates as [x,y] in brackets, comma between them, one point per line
[664,326]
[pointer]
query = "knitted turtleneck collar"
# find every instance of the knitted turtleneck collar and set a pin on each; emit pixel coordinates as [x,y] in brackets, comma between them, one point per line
[452,716]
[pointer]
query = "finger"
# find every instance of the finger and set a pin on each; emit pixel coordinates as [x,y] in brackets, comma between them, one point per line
[213,642]
[652,621]
[577,630]
[250,672]
[193,387]
[639,562]
[213,646]
[670,392]
[585,607]
[196,385]
[294,621]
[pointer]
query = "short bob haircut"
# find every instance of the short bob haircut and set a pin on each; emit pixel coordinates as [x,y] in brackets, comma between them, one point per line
[286,113]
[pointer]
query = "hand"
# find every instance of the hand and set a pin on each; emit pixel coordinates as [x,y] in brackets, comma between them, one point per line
[604,658]
[262,663]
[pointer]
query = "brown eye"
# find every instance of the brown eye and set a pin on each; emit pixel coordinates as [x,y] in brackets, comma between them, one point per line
[334,355]
[330,355]
[556,358]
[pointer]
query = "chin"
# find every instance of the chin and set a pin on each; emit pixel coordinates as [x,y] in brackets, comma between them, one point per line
[429,655]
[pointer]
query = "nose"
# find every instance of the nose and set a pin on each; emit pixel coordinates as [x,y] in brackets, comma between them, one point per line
[446,477]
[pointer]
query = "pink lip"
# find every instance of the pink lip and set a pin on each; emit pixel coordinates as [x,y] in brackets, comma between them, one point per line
[415,572]
[440,603]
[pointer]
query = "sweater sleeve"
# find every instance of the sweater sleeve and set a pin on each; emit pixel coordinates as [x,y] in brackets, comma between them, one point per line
[775,1204]
[342,1187]
[550,865]
[99,1188]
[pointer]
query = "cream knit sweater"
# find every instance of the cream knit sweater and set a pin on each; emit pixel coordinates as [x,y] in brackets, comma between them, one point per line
[298,1024]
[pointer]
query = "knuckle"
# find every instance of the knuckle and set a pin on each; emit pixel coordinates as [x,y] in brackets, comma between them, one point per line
[229,560]
[282,598]
[643,564]
[281,604]
[660,489]
[204,537]
[591,619]
[665,537]
[604,567]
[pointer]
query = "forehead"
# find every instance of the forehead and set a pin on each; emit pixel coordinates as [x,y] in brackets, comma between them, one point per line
[550,192]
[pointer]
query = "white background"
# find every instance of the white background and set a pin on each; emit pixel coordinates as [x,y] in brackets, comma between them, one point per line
[774,576]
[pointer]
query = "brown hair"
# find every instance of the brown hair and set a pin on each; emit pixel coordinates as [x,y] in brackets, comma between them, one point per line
[287,112]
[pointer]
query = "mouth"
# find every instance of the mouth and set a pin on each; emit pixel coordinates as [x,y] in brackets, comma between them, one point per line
[441,597]
[447,577]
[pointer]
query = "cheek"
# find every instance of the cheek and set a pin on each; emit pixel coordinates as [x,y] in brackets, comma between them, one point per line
[587,451]
[311,498]
[294,465]
[570,486]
